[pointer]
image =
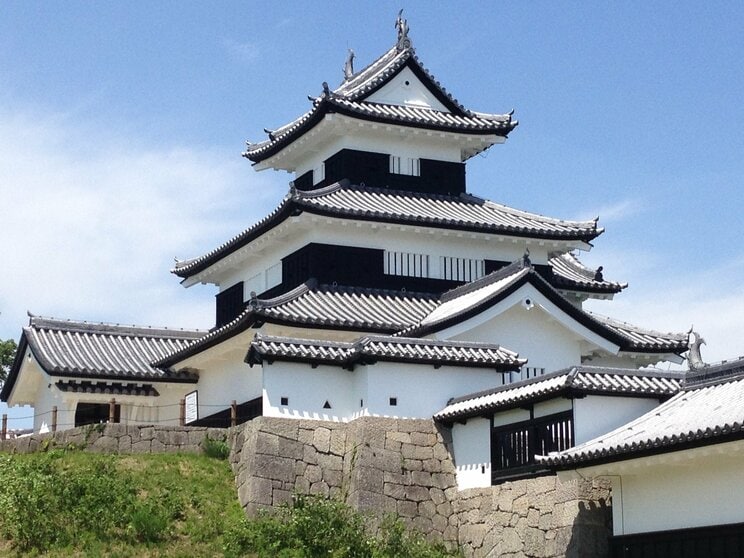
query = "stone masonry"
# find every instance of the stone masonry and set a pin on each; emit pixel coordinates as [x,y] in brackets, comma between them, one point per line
[405,467]
[119,438]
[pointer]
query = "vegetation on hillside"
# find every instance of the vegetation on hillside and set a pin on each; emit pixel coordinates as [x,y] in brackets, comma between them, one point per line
[63,503]
[7,354]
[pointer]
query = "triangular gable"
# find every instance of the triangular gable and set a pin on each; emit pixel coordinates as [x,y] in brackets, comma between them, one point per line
[468,307]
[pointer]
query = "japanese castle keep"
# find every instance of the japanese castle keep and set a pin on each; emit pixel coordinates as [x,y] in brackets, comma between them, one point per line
[382,286]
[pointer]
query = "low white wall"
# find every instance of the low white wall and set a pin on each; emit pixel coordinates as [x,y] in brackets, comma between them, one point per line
[307,389]
[595,415]
[420,389]
[223,381]
[707,490]
[472,447]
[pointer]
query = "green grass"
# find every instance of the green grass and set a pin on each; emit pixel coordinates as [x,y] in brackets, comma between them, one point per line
[75,503]
[71,503]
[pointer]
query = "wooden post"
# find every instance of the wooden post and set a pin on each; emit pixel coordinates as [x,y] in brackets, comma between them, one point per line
[233,413]
[112,410]
[182,412]
[54,418]
[5,426]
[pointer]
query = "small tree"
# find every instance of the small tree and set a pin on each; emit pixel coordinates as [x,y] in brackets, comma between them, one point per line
[7,354]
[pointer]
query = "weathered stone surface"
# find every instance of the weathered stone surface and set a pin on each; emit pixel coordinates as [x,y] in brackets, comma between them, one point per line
[322,439]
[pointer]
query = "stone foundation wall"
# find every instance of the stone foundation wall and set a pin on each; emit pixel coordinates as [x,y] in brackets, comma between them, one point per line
[405,467]
[119,438]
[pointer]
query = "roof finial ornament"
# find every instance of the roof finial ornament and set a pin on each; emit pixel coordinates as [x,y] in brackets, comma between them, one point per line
[349,65]
[401,24]
[526,258]
[598,274]
[326,89]
[694,360]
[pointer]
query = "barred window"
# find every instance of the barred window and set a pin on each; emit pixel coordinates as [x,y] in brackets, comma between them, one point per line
[461,269]
[406,264]
[405,165]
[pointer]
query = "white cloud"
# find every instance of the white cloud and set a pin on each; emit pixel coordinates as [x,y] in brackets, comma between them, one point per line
[618,211]
[90,222]
[244,52]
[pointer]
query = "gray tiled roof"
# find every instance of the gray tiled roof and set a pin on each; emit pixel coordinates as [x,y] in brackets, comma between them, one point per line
[349,98]
[702,413]
[464,212]
[95,350]
[322,306]
[376,348]
[570,273]
[641,339]
[579,380]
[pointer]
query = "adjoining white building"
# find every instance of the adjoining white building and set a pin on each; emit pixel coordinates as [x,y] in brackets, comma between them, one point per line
[677,471]
[378,286]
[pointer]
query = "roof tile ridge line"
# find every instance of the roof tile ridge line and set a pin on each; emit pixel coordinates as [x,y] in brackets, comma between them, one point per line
[569,259]
[600,317]
[282,131]
[632,372]
[375,291]
[292,294]
[263,338]
[373,68]
[592,223]
[512,385]
[408,193]
[436,82]
[235,239]
[119,329]
[299,195]
[513,268]
[440,342]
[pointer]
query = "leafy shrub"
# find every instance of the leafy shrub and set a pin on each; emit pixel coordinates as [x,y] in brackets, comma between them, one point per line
[314,526]
[217,449]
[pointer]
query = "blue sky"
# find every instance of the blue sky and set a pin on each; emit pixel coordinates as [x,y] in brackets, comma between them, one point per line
[122,126]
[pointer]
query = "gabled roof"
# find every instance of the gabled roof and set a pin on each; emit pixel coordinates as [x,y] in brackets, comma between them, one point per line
[349,99]
[467,301]
[321,306]
[574,381]
[372,348]
[93,350]
[707,410]
[571,274]
[344,201]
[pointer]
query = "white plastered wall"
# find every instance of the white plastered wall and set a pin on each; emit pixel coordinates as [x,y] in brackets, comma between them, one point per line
[472,447]
[224,376]
[691,488]
[595,415]
[307,389]
[420,389]
[406,89]
[530,330]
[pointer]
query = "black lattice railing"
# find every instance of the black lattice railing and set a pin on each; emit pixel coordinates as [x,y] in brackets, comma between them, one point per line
[514,446]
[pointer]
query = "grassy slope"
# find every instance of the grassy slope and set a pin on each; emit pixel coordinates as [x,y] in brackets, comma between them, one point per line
[145,505]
